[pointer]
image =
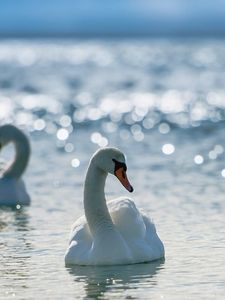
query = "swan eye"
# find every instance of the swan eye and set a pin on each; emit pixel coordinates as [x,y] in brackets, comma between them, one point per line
[0,146]
[119,165]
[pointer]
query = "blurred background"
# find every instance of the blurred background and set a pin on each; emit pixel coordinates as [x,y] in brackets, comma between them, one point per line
[146,76]
[111,18]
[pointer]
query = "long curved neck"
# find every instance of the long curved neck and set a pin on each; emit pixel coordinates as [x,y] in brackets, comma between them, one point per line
[22,147]
[95,207]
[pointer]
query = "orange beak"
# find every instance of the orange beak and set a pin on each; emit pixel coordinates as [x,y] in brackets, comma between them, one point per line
[122,176]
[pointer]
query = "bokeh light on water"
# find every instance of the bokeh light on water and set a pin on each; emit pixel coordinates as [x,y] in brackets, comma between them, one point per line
[198,159]
[168,149]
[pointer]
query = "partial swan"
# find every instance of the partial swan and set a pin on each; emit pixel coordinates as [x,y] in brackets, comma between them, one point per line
[12,188]
[115,232]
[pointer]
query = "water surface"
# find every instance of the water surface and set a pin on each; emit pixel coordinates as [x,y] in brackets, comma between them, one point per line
[162,103]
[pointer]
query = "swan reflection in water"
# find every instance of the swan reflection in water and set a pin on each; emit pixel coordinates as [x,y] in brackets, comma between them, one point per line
[98,280]
[16,217]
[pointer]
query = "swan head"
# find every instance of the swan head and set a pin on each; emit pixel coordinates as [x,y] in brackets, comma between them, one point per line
[5,134]
[10,133]
[112,160]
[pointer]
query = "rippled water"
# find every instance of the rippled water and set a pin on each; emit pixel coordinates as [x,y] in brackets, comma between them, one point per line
[162,102]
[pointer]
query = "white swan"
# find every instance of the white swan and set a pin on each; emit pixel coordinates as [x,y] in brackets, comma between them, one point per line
[117,234]
[12,187]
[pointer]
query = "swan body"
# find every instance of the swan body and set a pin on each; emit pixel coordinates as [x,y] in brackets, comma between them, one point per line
[12,187]
[115,232]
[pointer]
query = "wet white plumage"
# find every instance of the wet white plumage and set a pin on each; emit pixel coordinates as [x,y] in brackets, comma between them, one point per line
[112,233]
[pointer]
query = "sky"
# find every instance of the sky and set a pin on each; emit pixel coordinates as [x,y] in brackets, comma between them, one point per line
[112,17]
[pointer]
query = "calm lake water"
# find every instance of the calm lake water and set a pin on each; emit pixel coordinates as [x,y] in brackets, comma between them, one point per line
[162,102]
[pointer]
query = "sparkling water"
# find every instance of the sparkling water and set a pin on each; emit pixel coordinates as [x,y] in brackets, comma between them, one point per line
[162,102]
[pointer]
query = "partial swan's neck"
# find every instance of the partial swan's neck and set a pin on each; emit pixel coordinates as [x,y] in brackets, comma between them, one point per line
[22,148]
[95,207]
